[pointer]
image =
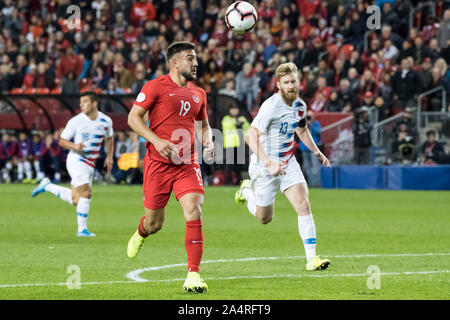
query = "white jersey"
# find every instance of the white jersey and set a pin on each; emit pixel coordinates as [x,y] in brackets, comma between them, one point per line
[91,133]
[277,123]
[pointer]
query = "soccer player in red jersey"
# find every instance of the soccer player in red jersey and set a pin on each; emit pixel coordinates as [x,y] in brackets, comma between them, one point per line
[173,104]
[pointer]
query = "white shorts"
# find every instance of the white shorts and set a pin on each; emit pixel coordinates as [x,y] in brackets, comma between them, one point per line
[80,172]
[265,186]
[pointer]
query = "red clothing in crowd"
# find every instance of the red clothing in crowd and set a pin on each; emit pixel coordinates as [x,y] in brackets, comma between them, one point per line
[308,7]
[70,63]
[141,12]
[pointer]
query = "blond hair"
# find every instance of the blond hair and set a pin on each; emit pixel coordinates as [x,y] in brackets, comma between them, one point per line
[285,69]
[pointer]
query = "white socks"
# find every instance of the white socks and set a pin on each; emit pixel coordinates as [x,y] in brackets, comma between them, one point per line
[82,213]
[61,192]
[307,231]
[66,195]
[250,197]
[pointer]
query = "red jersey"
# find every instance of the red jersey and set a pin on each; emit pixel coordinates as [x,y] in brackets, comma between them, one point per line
[172,112]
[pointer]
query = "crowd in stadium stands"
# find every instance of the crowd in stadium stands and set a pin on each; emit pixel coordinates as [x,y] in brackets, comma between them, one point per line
[118,45]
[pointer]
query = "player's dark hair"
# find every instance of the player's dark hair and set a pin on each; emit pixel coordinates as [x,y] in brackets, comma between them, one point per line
[177,47]
[91,94]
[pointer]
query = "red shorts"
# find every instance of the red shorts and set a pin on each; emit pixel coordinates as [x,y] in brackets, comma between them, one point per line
[161,178]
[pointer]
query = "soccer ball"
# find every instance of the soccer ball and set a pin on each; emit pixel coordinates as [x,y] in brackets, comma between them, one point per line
[241,17]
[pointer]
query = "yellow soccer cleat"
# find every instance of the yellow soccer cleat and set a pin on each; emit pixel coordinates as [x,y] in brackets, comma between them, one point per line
[238,197]
[193,283]
[134,244]
[317,264]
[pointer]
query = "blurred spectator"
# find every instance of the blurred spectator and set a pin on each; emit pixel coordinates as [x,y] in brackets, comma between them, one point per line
[9,151]
[113,88]
[368,83]
[36,144]
[381,108]
[403,149]
[45,77]
[389,15]
[229,89]
[346,96]
[139,82]
[368,100]
[385,89]
[70,84]
[51,158]
[263,77]
[213,76]
[311,165]
[337,73]
[269,49]
[432,150]
[247,86]
[435,98]
[443,35]
[69,62]
[142,11]
[425,72]
[355,82]
[24,165]
[234,128]
[362,140]
[123,76]
[406,85]
[407,123]
[100,79]
[334,104]
[315,53]
[419,51]
[123,145]
[28,80]
[318,102]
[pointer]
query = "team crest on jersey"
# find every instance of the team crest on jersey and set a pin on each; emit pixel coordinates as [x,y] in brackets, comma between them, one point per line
[196,99]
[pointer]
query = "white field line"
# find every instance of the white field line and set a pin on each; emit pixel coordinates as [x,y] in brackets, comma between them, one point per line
[135,278]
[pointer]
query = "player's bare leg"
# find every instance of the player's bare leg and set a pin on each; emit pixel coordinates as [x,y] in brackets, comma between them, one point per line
[151,223]
[191,204]
[298,195]
[264,214]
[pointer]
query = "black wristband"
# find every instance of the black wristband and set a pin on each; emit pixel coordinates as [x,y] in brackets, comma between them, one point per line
[302,123]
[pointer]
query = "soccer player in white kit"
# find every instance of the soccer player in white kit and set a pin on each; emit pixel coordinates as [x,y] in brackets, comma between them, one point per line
[88,129]
[273,165]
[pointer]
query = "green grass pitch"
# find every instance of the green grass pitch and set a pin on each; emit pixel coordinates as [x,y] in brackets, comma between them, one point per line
[403,235]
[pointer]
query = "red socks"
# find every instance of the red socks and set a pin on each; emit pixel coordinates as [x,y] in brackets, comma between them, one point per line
[141,229]
[193,241]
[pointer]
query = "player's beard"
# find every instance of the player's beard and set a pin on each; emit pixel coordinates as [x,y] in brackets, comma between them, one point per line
[189,76]
[290,95]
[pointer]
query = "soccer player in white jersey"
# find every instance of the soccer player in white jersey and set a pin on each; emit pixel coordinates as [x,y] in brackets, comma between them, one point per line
[273,165]
[88,129]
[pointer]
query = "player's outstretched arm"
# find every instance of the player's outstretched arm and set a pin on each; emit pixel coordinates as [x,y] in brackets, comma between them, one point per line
[305,136]
[136,122]
[252,139]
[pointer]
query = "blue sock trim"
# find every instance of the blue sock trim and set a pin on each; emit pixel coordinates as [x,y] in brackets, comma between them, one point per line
[310,241]
[82,215]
